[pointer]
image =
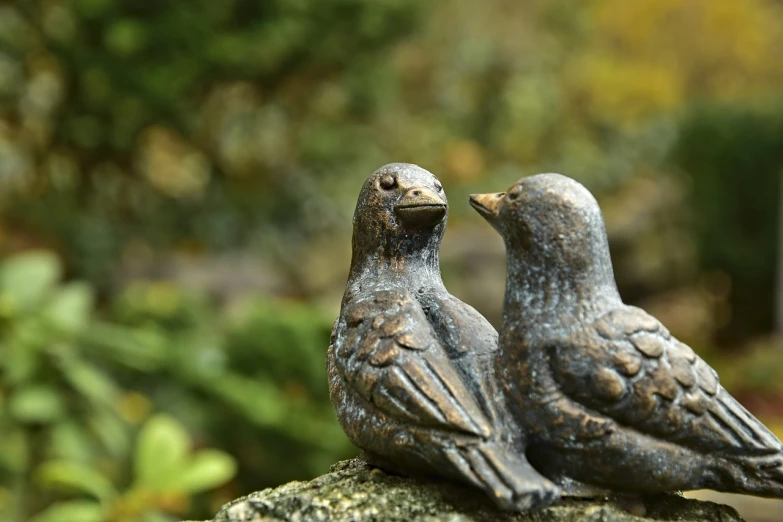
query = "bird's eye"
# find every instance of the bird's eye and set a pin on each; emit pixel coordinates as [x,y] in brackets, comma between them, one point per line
[513,195]
[438,187]
[388,182]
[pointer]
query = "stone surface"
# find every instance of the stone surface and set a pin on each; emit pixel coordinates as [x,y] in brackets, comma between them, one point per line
[354,491]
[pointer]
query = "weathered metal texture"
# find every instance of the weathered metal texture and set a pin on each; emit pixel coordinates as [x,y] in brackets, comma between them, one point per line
[605,396]
[411,367]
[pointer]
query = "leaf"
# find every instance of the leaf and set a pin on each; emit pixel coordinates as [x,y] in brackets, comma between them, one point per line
[161,451]
[125,37]
[144,350]
[263,404]
[36,404]
[72,511]
[112,432]
[70,308]
[20,360]
[206,470]
[14,449]
[70,441]
[76,476]
[90,381]
[26,278]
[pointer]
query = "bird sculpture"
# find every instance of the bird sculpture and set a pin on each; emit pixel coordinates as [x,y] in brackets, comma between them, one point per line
[410,366]
[607,399]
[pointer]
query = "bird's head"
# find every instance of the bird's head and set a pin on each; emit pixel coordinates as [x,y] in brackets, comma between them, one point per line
[402,208]
[550,223]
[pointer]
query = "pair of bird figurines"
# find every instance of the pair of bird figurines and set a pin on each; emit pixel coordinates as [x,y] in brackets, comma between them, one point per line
[580,395]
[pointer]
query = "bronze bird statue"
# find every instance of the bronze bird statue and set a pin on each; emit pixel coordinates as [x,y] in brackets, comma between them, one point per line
[606,397]
[410,366]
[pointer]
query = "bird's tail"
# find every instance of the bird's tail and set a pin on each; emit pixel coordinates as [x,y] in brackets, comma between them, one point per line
[761,476]
[504,474]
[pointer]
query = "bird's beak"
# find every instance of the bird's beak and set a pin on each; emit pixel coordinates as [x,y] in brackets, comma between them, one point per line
[420,207]
[488,205]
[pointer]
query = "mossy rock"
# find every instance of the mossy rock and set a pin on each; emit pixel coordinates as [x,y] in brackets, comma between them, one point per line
[354,491]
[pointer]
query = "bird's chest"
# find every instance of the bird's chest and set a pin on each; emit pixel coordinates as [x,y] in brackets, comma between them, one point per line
[461,329]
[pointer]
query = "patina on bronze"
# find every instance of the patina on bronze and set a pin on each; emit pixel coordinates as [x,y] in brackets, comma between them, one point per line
[411,366]
[604,395]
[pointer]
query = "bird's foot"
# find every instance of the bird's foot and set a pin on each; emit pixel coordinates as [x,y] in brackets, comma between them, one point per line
[537,496]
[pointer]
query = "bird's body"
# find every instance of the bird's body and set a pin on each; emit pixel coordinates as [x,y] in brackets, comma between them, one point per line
[411,367]
[617,402]
[605,396]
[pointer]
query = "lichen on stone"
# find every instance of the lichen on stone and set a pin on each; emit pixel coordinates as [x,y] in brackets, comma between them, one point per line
[356,492]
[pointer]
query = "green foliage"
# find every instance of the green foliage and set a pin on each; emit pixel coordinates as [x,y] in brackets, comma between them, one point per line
[135,135]
[134,99]
[162,462]
[733,155]
[76,389]
[161,450]
[78,477]
[755,372]
[165,473]
[293,352]
[73,510]
[25,281]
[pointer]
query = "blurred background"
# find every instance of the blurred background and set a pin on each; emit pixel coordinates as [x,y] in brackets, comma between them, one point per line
[177,181]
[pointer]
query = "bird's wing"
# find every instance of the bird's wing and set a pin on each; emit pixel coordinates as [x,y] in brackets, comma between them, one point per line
[389,354]
[627,366]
